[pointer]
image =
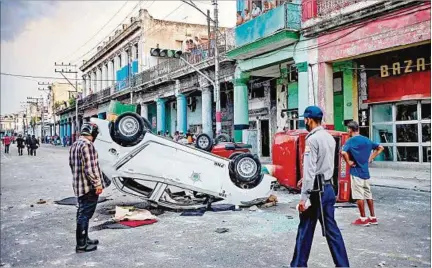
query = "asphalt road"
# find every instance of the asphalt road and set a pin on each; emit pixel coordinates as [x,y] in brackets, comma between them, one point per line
[43,235]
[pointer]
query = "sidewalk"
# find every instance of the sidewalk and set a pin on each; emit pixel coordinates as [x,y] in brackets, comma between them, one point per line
[404,179]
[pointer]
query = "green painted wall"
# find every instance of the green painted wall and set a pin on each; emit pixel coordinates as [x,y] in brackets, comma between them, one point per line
[152,111]
[293,101]
[342,103]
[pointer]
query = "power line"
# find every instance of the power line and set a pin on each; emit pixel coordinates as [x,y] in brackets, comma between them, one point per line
[94,35]
[88,52]
[48,77]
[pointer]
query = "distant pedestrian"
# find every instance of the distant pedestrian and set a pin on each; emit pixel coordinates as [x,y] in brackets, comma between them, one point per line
[357,153]
[88,183]
[176,136]
[34,145]
[27,143]
[20,144]
[64,141]
[6,143]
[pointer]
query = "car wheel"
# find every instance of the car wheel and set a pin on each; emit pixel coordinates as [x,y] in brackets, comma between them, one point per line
[129,127]
[222,138]
[247,168]
[204,142]
[234,155]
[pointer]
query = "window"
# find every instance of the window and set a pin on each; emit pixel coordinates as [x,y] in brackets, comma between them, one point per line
[382,113]
[406,112]
[404,129]
[337,82]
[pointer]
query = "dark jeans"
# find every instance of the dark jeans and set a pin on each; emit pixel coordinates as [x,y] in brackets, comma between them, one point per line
[306,229]
[33,152]
[7,149]
[20,150]
[86,207]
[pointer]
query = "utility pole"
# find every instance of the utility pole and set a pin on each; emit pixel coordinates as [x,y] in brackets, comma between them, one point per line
[36,101]
[51,96]
[216,80]
[130,73]
[62,72]
[209,32]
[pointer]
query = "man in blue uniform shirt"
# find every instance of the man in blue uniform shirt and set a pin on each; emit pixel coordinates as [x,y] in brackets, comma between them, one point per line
[318,164]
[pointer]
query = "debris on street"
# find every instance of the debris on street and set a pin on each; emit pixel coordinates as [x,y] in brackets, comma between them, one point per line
[253,208]
[41,201]
[221,230]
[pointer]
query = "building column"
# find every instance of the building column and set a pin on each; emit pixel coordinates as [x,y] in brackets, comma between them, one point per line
[98,78]
[181,113]
[111,75]
[144,110]
[104,76]
[61,130]
[93,84]
[84,93]
[325,92]
[206,111]
[241,105]
[303,90]
[160,106]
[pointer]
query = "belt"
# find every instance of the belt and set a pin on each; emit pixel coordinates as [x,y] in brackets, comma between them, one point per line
[328,182]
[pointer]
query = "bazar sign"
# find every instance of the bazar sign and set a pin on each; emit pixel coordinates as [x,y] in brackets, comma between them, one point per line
[405,67]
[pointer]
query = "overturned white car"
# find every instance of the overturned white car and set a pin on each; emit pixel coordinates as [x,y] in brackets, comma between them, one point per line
[173,175]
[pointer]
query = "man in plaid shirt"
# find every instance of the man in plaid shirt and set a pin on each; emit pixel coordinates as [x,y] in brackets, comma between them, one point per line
[88,183]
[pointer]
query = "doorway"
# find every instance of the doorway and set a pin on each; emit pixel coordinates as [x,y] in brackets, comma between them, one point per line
[265,138]
[338,101]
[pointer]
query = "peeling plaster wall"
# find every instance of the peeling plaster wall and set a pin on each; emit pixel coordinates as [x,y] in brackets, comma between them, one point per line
[406,27]
[384,33]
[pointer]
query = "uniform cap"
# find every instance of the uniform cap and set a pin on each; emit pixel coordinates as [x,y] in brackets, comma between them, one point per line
[312,112]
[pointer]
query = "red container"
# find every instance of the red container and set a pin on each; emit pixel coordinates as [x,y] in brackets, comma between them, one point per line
[288,149]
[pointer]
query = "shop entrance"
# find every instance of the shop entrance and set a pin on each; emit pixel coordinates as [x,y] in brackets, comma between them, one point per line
[338,101]
[265,139]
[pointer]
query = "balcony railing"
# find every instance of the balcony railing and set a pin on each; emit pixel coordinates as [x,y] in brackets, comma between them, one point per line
[195,55]
[327,6]
[285,16]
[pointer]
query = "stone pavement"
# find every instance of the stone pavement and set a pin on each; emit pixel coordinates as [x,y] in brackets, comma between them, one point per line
[419,179]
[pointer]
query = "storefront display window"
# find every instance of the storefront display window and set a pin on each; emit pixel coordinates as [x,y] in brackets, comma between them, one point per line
[407,154]
[427,154]
[383,133]
[426,110]
[407,133]
[406,111]
[382,113]
[404,129]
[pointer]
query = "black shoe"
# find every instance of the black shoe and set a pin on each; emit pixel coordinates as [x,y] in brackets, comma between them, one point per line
[92,241]
[81,240]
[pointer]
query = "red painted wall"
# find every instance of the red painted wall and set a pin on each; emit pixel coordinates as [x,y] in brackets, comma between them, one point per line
[408,86]
[407,26]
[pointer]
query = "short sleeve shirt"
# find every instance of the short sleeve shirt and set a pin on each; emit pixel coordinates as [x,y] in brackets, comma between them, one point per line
[359,148]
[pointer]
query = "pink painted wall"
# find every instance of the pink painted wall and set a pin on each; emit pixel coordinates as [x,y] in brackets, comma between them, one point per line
[395,30]
[408,26]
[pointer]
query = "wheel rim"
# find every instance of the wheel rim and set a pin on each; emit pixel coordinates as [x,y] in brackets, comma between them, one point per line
[247,167]
[203,142]
[128,126]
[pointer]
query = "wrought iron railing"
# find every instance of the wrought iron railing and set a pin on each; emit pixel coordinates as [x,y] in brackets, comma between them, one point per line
[327,6]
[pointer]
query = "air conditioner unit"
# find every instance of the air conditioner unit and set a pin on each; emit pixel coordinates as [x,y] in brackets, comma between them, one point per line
[293,73]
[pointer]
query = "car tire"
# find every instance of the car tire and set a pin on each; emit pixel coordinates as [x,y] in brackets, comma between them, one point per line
[204,142]
[247,168]
[234,155]
[129,128]
[222,138]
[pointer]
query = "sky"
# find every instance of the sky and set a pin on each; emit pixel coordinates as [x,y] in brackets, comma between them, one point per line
[36,34]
